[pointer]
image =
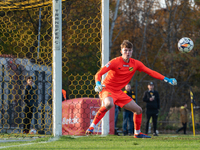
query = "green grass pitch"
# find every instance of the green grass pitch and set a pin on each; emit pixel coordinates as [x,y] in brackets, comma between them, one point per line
[111,142]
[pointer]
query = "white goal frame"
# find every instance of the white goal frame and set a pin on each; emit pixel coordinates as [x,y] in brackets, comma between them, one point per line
[57,67]
[105,54]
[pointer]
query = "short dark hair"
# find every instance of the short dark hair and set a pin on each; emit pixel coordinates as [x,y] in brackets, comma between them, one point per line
[29,77]
[126,44]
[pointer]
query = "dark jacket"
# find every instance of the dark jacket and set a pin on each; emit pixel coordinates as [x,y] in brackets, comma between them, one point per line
[131,94]
[30,95]
[152,106]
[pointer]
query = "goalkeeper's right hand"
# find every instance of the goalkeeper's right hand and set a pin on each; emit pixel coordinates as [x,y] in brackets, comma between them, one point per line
[98,87]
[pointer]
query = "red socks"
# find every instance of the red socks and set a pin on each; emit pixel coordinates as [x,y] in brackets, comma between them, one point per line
[137,121]
[101,112]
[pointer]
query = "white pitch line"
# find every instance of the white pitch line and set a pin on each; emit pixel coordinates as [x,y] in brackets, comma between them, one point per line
[50,140]
[16,145]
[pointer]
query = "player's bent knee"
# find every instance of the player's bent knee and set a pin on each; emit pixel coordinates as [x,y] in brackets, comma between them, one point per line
[108,102]
[138,111]
[109,105]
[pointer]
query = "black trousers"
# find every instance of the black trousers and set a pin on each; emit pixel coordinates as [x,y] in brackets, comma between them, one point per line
[183,128]
[28,111]
[155,118]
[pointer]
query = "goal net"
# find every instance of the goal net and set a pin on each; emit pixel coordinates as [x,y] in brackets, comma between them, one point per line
[26,50]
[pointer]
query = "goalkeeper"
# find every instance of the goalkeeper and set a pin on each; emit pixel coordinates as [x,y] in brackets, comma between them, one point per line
[120,71]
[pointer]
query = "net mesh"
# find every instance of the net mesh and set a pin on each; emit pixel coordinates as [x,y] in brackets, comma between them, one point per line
[26,50]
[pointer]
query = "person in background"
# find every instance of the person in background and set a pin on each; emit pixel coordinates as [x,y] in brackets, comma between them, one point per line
[120,71]
[128,115]
[64,98]
[152,99]
[117,111]
[184,118]
[64,95]
[30,101]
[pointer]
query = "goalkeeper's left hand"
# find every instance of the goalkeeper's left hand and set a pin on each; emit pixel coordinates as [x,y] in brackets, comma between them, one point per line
[98,87]
[171,81]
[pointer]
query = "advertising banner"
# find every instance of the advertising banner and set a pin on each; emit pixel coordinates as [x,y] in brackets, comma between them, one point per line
[78,114]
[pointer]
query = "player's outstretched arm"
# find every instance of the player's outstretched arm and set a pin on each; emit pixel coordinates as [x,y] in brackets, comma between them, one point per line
[171,81]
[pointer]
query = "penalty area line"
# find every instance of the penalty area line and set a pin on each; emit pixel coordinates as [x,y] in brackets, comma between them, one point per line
[50,140]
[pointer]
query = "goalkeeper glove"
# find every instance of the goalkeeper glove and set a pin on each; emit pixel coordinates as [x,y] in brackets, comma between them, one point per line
[171,81]
[98,87]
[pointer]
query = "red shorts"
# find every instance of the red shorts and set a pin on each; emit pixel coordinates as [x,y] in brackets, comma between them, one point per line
[119,97]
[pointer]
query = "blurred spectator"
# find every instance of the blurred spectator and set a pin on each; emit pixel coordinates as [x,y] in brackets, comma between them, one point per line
[151,97]
[128,115]
[64,97]
[183,118]
[117,110]
[30,101]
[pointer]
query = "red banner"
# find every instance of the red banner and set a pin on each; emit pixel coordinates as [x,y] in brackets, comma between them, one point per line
[78,114]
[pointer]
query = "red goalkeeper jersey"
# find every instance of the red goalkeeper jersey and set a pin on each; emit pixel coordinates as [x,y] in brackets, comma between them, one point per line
[120,72]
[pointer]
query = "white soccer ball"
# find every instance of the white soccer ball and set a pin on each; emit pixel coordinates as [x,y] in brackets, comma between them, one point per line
[185,45]
[33,131]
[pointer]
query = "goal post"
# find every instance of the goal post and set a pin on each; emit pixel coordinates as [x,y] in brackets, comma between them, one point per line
[105,54]
[57,67]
